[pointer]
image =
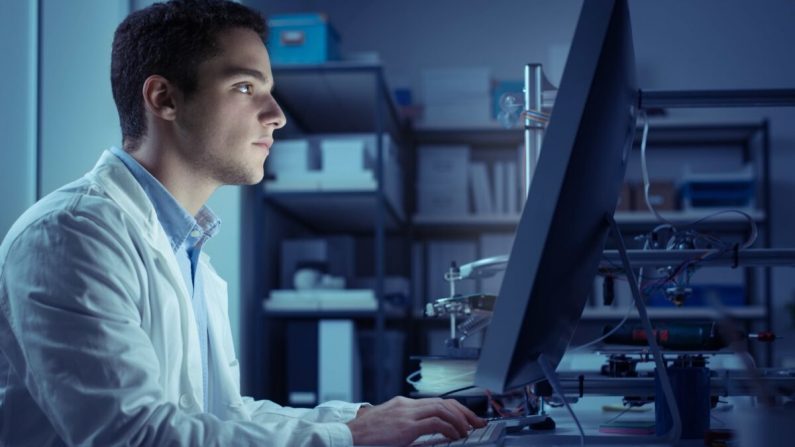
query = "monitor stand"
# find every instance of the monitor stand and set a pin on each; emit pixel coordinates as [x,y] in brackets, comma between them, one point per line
[676,429]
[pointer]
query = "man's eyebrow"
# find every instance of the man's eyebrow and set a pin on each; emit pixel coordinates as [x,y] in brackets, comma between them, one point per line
[229,72]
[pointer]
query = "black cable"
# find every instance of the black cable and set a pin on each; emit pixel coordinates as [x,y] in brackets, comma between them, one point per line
[457,390]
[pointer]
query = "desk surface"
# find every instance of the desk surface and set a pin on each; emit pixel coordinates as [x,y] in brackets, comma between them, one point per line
[589,411]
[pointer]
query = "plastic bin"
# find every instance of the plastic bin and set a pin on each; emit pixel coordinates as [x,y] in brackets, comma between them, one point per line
[302,39]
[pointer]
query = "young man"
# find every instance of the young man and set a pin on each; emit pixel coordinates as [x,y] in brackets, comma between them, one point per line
[113,325]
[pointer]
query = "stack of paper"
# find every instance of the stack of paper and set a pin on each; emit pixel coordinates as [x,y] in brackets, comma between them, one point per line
[321,300]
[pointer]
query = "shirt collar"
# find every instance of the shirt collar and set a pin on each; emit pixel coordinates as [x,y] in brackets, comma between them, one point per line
[178,224]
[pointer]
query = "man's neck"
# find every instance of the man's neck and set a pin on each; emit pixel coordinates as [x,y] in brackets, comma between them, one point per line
[189,188]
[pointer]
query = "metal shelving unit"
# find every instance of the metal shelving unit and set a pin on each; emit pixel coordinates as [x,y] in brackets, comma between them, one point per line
[329,98]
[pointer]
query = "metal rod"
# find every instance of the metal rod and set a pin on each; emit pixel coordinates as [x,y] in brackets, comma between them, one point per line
[529,158]
[380,243]
[537,104]
[731,383]
[755,257]
[768,236]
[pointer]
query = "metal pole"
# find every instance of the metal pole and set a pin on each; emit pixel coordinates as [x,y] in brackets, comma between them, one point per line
[380,221]
[529,152]
[533,135]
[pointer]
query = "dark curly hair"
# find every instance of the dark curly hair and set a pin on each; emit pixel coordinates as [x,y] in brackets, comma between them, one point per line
[169,39]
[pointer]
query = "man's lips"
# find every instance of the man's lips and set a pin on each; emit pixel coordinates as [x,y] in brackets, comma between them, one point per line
[264,143]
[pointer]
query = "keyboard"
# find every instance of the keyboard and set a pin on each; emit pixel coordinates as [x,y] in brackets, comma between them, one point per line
[517,423]
[491,434]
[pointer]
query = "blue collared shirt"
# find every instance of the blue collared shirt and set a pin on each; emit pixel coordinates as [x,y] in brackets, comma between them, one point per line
[187,235]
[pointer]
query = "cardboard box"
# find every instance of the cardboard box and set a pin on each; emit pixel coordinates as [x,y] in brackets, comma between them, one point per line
[442,201]
[302,39]
[443,166]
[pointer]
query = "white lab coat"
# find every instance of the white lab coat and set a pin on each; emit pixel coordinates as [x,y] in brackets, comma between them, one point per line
[98,338]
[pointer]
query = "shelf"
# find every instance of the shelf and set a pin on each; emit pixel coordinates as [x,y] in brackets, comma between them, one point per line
[486,136]
[725,221]
[689,135]
[466,220]
[331,314]
[667,313]
[673,135]
[335,210]
[633,219]
[689,313]
[336,97]
[462,226]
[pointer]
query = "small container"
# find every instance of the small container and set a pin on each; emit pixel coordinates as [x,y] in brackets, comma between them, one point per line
[302,39]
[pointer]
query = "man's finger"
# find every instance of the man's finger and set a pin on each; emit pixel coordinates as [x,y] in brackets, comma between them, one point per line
[437,425]
[470,416]
[427,410]
[456,406]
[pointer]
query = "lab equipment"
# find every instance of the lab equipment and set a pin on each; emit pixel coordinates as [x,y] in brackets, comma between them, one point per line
[681,336]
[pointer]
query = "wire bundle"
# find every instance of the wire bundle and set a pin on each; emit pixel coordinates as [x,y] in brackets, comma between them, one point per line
[668,236]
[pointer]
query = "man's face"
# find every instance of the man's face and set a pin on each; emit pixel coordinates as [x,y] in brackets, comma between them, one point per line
[225,129]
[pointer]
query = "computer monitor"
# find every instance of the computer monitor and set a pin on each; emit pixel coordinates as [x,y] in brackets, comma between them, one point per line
[563,227]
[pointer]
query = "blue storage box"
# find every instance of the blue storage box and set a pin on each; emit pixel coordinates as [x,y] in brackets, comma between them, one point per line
[721,190]
[302,39]
[502,87]
[718,194]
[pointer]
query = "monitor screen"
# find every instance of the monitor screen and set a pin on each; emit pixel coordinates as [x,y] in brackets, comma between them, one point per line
[563,227]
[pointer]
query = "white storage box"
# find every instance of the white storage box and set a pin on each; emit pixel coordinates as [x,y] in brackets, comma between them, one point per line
[446,166]
[291,156]
[456,97]
[343,162]
[343,156]
[349,163]
[441,200]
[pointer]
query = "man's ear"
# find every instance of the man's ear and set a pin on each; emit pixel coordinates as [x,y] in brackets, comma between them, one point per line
[160,97]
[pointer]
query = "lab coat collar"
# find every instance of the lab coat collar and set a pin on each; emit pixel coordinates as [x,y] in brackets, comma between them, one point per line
[119,183]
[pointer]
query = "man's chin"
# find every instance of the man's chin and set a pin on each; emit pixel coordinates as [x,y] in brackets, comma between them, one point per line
[244,178]
[252,180]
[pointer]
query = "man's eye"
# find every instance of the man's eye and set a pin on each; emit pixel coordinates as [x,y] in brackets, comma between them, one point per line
[245,88]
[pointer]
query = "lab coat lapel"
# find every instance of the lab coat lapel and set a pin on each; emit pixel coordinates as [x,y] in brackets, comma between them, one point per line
[227,403]
[120,185]
[190,333]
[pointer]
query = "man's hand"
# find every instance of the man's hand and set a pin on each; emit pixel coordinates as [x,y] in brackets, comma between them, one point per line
[401,420]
